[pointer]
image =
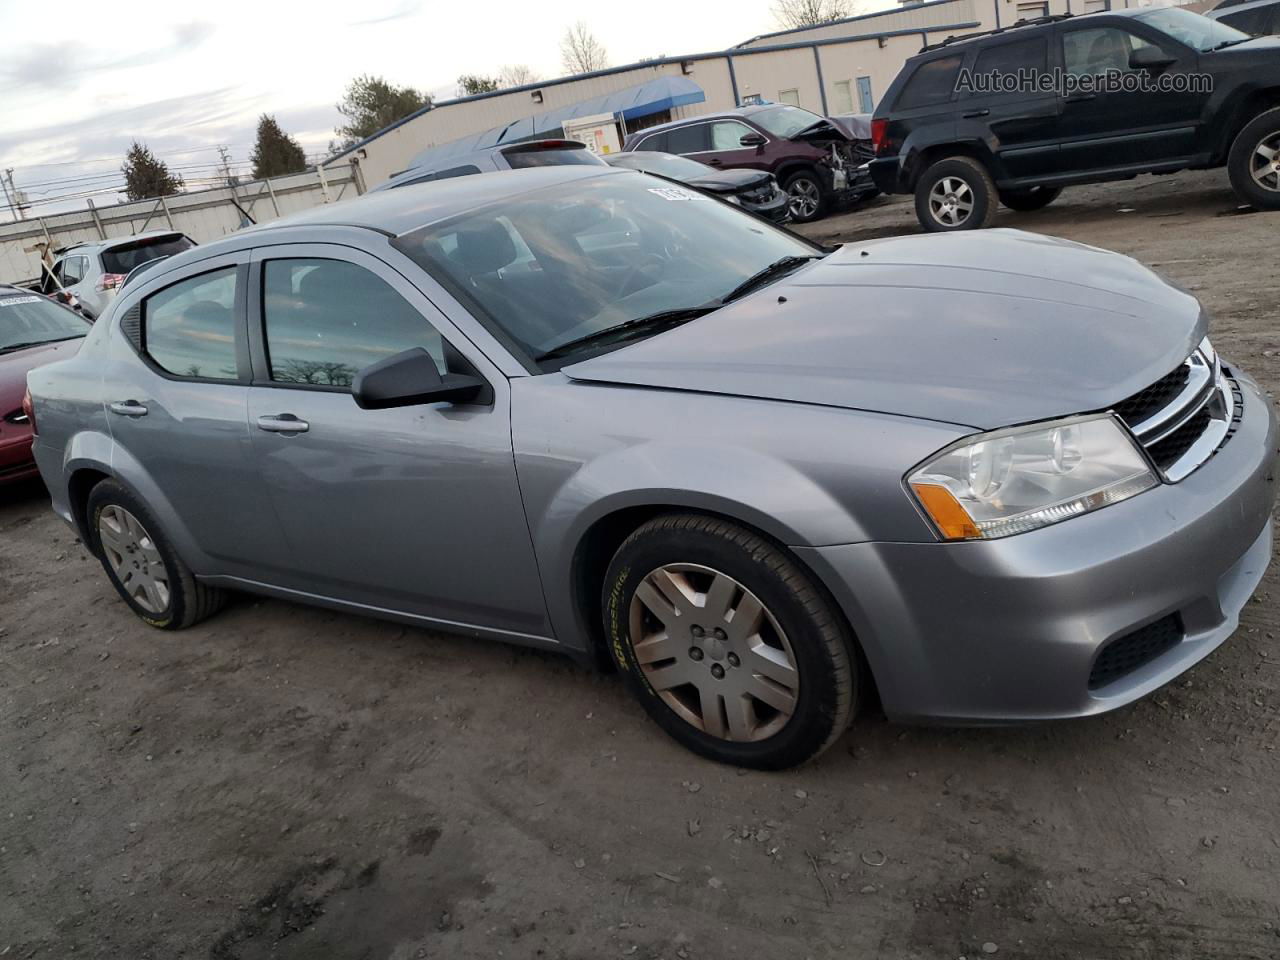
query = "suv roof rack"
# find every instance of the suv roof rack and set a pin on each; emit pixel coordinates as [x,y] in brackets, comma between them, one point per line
[1033,22]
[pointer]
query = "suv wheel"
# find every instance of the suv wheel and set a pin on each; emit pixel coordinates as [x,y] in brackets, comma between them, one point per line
[142,564]
[808,197]
[956,194]
[1254,162]
[727,644]
[1034,198]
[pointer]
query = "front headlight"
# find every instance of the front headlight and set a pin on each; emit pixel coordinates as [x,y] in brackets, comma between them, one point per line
[1021,479]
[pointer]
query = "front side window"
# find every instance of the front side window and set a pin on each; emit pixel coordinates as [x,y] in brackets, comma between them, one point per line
[188,329]
[1199,33]
[72,270]
[933,82]
[326,320]
[728,134]
[600,251]
[27,320]
[1100,51]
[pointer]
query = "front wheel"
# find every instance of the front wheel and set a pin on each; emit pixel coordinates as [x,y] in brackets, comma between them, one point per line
[1254,161]
[1033,198]
[956,194]
[808,196]
[727,643]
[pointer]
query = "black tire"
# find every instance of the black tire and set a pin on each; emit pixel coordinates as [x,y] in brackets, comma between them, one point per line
[1033,198]
[189,601]
[979,184]
[1262,129]
[818,641]
[802,186]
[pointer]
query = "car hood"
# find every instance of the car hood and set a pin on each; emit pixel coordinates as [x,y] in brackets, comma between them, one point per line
[981,329]
[1260,50]
[14,367]
[821,133]
[729,181]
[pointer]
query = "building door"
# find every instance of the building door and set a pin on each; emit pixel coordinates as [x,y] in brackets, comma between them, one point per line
[865,102]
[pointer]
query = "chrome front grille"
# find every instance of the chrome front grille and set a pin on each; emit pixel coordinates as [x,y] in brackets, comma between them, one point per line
[1184,417]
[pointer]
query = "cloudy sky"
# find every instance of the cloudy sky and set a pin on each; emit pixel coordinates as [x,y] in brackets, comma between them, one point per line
[184,77]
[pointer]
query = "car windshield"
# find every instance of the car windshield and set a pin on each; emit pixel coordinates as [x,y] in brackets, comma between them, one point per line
[563,263]
[123,258]
[786,121]
[1192,29]
[518,159]
[663,164]
[27,320]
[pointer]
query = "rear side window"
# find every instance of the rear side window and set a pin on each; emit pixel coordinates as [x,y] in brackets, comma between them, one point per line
[1031,54]
[326,320]
[188,329]
[933,82]
[72,270]
[691,139]
[124,258]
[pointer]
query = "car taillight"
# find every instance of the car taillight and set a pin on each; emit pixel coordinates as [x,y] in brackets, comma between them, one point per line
[109,281]
[28,408]
[879,133]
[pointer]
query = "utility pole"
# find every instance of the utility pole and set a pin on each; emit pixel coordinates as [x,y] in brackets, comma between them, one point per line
[12,196]
[225,154]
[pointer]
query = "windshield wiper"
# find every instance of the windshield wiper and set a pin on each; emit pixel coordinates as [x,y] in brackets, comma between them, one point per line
[1228,43]
[767,275]
[11,347]
[654,322]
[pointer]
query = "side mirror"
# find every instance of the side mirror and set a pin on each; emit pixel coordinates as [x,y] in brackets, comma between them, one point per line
[410,378]
[753,140]
[1150,58]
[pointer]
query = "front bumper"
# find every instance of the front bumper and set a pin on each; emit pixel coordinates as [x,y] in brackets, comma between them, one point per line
[777,208]
[1009,630]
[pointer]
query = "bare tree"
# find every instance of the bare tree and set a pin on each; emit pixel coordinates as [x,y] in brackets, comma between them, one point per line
[791,14]
[517,75]
[580,51]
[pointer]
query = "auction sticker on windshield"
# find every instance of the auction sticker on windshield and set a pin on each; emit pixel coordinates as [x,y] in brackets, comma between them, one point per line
[14,301]
[671,193]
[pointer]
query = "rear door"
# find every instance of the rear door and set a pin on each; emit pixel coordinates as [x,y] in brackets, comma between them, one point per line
[414,509]
[1002,104]
[1104,128]
[175,384]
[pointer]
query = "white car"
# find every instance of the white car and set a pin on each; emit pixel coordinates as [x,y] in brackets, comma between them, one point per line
[93,272]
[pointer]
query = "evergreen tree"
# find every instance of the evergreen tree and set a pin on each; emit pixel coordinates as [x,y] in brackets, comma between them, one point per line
[276,153]
[146,176]
[370,103]
[469,84]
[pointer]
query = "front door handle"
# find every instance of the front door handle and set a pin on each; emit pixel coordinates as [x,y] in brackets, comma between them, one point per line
[1081,98]
[283,423]
[128,408]
[974,114]
[714,161]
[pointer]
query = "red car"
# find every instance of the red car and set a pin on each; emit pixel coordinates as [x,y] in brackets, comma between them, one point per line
[34,330]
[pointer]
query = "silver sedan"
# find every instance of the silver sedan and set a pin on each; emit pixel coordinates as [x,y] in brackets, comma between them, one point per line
[981,480]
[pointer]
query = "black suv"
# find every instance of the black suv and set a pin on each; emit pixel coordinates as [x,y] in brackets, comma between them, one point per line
[1100,97]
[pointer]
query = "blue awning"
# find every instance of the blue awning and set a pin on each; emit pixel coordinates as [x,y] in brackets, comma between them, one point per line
[646,99]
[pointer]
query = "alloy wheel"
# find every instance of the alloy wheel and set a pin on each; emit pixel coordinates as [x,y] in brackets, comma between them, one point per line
[1265,163]
[134,558]
[951,201]
[804,198]
[713,652]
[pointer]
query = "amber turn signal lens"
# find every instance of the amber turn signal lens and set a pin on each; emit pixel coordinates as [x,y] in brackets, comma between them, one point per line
[945,510]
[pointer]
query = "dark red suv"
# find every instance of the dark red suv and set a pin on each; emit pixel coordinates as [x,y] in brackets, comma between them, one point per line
[816,162]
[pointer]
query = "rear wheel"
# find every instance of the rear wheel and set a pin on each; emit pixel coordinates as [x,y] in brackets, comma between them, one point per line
[727,643]
[1033,198]
[956,194]
[808,196]
[1254,162]
[142,564]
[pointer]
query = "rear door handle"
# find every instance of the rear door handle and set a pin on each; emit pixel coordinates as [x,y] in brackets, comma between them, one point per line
[1081,98]
[128,408]
[283,423]
[976,113]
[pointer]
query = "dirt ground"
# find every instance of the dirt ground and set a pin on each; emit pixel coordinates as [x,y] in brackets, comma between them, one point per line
[287,782]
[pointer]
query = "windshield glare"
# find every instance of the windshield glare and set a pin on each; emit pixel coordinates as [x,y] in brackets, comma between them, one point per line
[559,264]
[29,319]
[1192,29]
[786,121]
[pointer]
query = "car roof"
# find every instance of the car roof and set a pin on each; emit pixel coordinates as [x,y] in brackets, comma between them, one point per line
[960,41]
[395,212]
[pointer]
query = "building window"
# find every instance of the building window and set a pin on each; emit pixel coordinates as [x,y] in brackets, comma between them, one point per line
[1030,11]
[1096,6]
[843,96]
[789,96]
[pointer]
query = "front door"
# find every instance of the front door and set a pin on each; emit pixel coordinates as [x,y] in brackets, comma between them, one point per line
[726,149]
[1104,128]
[999,104]
[414,510]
